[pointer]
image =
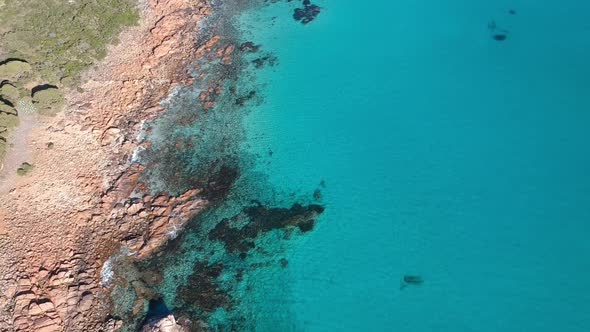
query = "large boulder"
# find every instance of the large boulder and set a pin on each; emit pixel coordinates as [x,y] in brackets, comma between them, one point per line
[165,324]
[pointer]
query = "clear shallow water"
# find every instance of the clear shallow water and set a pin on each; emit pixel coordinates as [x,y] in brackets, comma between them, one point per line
[445,154]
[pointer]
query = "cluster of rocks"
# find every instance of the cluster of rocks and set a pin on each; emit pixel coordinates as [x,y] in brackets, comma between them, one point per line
[85,201]
[144,222]
[166,324]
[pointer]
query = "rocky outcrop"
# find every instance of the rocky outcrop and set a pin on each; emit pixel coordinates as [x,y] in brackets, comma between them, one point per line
[85,198]
[166,324]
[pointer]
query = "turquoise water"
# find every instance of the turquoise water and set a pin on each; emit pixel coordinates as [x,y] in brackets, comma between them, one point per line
[445,154]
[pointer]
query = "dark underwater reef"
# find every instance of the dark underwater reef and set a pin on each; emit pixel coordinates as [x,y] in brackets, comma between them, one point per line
[201,276]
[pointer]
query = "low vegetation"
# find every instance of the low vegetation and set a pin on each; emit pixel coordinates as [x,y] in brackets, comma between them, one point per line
[44,45]
[24,169]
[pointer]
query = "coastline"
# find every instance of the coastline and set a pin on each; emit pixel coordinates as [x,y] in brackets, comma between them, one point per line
[85,198]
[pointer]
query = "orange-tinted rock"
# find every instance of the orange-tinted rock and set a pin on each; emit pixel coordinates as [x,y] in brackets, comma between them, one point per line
[85,200]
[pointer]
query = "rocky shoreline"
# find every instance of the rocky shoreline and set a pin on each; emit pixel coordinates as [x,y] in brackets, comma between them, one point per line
[85,199]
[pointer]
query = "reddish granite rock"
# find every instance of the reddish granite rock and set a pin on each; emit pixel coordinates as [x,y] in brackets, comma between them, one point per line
[85,200]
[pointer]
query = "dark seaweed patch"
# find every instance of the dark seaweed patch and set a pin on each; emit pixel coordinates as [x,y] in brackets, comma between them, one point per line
[500,37]
[260,219]
[202,289]
[306,14]
[242,100]
[249,47]
[413,279]
[267,59]
[410,279]
[220,183]
[284,262]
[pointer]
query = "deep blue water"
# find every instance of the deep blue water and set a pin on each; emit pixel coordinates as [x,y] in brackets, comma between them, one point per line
[445,140]
[445,154]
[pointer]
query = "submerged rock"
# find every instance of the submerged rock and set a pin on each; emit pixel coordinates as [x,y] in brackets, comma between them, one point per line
[306,14]
[500,37]
[202,289]
[497,34]
[249,47]
[269,59]
[260,219]
[411,280]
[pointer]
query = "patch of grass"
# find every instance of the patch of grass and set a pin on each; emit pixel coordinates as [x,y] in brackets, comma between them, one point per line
[14,70]
[10,93]
[24,169]
[51,42]
[48,101]
[60,38]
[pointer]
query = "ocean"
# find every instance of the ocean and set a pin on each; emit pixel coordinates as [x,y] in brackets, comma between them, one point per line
[441,140]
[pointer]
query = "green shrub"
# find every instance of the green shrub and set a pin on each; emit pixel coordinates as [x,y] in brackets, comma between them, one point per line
[60,38]
[24,169]
[48,101]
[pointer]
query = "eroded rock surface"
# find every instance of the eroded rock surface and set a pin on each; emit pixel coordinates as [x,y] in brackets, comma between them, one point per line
[84,199]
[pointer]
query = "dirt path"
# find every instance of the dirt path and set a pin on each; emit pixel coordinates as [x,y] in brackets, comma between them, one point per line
[18,152]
